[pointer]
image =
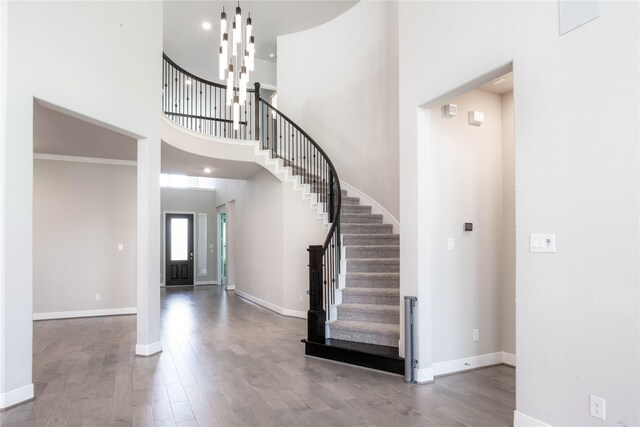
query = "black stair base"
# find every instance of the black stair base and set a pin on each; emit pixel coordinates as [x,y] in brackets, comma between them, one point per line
[370,356]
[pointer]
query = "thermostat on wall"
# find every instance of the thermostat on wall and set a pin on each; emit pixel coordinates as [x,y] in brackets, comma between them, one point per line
[450,110]
[476,118]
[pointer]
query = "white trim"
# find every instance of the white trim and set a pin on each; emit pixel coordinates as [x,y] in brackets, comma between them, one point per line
[17,396]
[509,359]
[79,159]
[84,313]
[424,375]
[206,282]
[268,87]
[522,420]
[230,288]
[473,362]
[146,350]
[376,208]
[270,306]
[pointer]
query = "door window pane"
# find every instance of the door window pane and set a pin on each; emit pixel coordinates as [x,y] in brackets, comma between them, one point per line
[179,239]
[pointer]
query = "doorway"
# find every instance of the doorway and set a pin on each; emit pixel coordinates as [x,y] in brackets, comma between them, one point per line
[467,139]
[222,248]
[179,249]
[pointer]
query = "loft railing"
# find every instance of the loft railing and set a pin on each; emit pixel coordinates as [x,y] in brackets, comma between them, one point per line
[200,105]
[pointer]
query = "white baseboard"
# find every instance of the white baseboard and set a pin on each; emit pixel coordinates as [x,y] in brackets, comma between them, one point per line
[509,359]
[272,307]
[205,282]
[522,420]
[148,349]
[84,313]
[17,396]
[473,362]
[230,287]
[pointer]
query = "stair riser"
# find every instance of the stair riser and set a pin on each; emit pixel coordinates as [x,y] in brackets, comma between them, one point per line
[372,282]
[372,252]
[350,201]
[357,266]
[367,338]
[366,228]
[370,299]
[361,219]
[355,209]
[364,240]
[364,316]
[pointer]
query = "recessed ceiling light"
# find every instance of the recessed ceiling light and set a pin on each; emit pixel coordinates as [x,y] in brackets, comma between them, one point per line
[207,170]
[206,25]
[272,55]
[498,82]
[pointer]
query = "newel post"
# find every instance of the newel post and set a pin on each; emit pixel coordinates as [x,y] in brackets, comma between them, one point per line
[316,315]
[256,124]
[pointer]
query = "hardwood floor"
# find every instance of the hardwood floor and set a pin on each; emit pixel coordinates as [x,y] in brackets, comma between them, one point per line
[229,362]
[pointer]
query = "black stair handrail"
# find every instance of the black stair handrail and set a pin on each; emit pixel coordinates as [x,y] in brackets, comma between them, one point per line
[295,147]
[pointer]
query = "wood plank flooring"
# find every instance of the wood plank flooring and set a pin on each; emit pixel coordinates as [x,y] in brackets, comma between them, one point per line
[228,362]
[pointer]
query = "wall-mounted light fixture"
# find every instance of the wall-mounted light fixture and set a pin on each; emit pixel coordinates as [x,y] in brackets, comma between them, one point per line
[476,118]
[450,110]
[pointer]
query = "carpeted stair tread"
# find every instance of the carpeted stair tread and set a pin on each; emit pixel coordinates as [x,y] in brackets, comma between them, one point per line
[370,239]
[372,265]
[372,251]
[371,291]
[378,328]
[354,228]
[373,280]
[360,218]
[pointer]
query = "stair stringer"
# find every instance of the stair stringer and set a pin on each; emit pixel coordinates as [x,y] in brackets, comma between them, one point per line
[240,150]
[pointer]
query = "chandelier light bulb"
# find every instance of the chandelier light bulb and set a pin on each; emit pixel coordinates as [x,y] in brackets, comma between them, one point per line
[234,48]
[243,85]
[221,62]
[230,85]
[236,113]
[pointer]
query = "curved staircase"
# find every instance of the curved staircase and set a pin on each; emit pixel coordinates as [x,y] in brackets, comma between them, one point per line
[354,313]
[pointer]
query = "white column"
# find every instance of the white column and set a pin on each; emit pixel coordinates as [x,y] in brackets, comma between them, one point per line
[16,325]
[148,242]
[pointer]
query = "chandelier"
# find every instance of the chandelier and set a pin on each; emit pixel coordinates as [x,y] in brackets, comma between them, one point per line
[236,61]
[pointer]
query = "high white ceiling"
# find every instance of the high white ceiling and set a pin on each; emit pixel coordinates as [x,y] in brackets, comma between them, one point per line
[58,133]
[187,43]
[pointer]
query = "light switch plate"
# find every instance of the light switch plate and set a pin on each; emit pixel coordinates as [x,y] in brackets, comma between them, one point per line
[451,245]
[542,243]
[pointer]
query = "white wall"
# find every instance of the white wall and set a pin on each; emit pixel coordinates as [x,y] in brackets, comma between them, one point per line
[339,82]
[508,226]
[81,212]
[271,229]
[576,136]
[467,186]
[109,75]
[196,201]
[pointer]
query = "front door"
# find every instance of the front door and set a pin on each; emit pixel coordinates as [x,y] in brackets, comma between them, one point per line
[179,249]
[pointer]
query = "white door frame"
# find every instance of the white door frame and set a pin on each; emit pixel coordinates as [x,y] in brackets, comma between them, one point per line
[219,210]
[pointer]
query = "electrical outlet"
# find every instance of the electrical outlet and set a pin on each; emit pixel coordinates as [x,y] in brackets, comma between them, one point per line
[476,334]
[597,405]
[98,297]
[301,298]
